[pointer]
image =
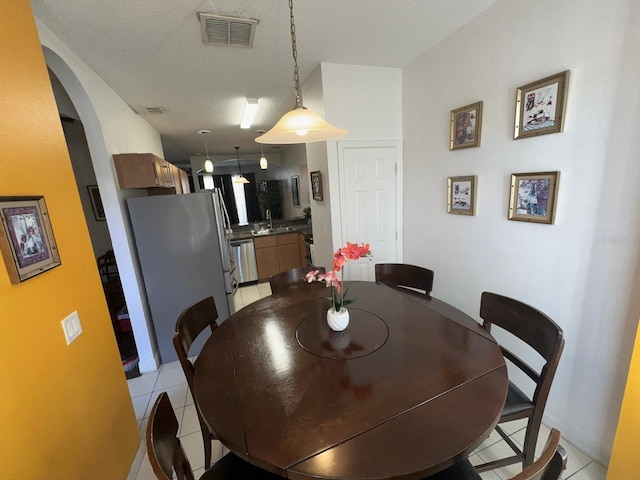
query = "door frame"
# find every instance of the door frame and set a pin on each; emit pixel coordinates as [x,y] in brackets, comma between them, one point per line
[338,207]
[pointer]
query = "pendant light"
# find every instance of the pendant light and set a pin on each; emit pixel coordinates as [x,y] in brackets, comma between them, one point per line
[208,164]
[263,159]
[240,178]
[300,125]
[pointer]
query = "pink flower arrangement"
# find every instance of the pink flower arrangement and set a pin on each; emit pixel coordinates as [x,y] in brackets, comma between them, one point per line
[352,251]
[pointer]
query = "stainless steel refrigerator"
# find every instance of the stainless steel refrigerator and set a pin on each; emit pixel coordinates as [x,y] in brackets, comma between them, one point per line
[184,254]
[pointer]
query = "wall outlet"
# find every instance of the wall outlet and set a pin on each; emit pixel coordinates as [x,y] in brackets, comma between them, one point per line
[71,327]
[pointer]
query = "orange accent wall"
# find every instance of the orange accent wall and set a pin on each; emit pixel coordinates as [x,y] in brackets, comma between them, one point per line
[625,461]
[65,411]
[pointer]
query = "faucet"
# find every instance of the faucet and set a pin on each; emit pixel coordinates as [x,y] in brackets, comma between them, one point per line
[269,219]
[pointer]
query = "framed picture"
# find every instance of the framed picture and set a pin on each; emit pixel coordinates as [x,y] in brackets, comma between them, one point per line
[533,197]
[26,240]
[466,123]
[96,202]
[540,106]
[295,191]
[461,195]
[316,185]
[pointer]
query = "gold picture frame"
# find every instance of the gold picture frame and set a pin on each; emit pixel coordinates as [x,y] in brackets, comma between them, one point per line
[461,195]
[540,106]
[466,126]
[533,197]
[26,240]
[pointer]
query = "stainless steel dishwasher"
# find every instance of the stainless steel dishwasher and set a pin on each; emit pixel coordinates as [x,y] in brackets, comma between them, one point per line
[245,258]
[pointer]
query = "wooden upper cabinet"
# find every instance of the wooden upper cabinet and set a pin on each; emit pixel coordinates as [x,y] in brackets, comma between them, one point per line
[143,170]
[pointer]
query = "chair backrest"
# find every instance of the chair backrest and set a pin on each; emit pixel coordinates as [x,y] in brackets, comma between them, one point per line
[401,275]
[550,464]
[163,445]
[532,327]
[292,279]
[191,322]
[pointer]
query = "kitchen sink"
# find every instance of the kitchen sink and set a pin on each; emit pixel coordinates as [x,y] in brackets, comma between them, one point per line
[271,231]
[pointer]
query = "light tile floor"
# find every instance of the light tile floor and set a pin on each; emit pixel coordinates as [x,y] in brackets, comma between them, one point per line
[170,378]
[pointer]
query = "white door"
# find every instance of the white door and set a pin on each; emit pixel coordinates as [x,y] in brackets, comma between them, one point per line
[369,206]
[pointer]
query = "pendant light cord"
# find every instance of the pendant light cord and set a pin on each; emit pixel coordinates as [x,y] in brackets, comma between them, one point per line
[294,49]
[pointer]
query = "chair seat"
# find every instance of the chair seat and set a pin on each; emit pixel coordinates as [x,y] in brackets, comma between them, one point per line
[460,471]
[517,402]
[231,467]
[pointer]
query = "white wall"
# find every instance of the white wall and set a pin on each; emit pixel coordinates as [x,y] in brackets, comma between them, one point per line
[111,127]
[367,101]
[582,271]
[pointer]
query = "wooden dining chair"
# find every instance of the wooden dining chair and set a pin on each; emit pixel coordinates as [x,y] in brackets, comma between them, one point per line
[293,279]
[191,323]
[167,455]
[403,276]
[549,466]
[543,335]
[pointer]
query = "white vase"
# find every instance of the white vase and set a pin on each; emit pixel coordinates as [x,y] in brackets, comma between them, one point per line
[337,321]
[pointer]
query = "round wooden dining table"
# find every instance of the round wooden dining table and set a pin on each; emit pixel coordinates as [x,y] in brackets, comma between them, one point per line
[409,388]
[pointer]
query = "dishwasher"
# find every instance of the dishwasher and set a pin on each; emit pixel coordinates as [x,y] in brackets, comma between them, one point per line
[245,258]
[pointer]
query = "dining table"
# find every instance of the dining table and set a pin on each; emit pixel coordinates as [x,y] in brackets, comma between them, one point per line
[410,387]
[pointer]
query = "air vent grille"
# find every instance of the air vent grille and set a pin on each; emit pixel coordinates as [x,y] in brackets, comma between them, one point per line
[154,110]
[231,31]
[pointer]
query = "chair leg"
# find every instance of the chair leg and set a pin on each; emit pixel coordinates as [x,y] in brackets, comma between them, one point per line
[530,440]
[206,438]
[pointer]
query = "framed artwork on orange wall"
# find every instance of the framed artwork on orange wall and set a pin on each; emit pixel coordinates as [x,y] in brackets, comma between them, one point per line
[26,237]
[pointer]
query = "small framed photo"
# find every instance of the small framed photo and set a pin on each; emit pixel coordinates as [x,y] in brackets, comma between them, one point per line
[466,123]
[316,185]
[461,195]
[533,197]
[295,190]
[96,203]
[540,106]
[26,239]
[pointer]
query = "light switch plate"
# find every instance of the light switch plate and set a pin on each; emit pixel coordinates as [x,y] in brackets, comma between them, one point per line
[71,327]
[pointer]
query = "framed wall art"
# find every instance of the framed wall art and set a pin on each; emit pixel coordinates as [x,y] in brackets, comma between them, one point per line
[316,185]
[461,195]
[466,124]
[96,203]
[26,240]
[295,190]
[533,197]
[540,106]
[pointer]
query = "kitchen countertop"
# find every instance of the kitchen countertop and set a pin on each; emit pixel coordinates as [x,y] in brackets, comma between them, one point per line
[244,232]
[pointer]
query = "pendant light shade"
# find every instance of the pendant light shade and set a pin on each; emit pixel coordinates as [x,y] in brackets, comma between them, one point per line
[239,178]
[300,125]
[208,165]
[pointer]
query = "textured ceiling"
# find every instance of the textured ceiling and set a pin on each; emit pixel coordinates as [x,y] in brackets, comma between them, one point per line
[152,54]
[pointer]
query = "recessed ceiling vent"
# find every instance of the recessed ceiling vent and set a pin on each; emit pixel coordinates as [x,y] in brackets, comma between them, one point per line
[231,31]
[152,110]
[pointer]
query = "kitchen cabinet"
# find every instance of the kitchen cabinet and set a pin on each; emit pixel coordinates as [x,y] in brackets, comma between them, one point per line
[143,170]
[180,179]
[276,253]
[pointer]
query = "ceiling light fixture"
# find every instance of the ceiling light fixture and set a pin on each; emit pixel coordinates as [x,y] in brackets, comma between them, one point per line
[250,109]
[208,164]
[239,178]
[300,125]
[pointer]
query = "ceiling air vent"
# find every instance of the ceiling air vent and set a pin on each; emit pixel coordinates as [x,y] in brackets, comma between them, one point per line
[219,30]
[153,110]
